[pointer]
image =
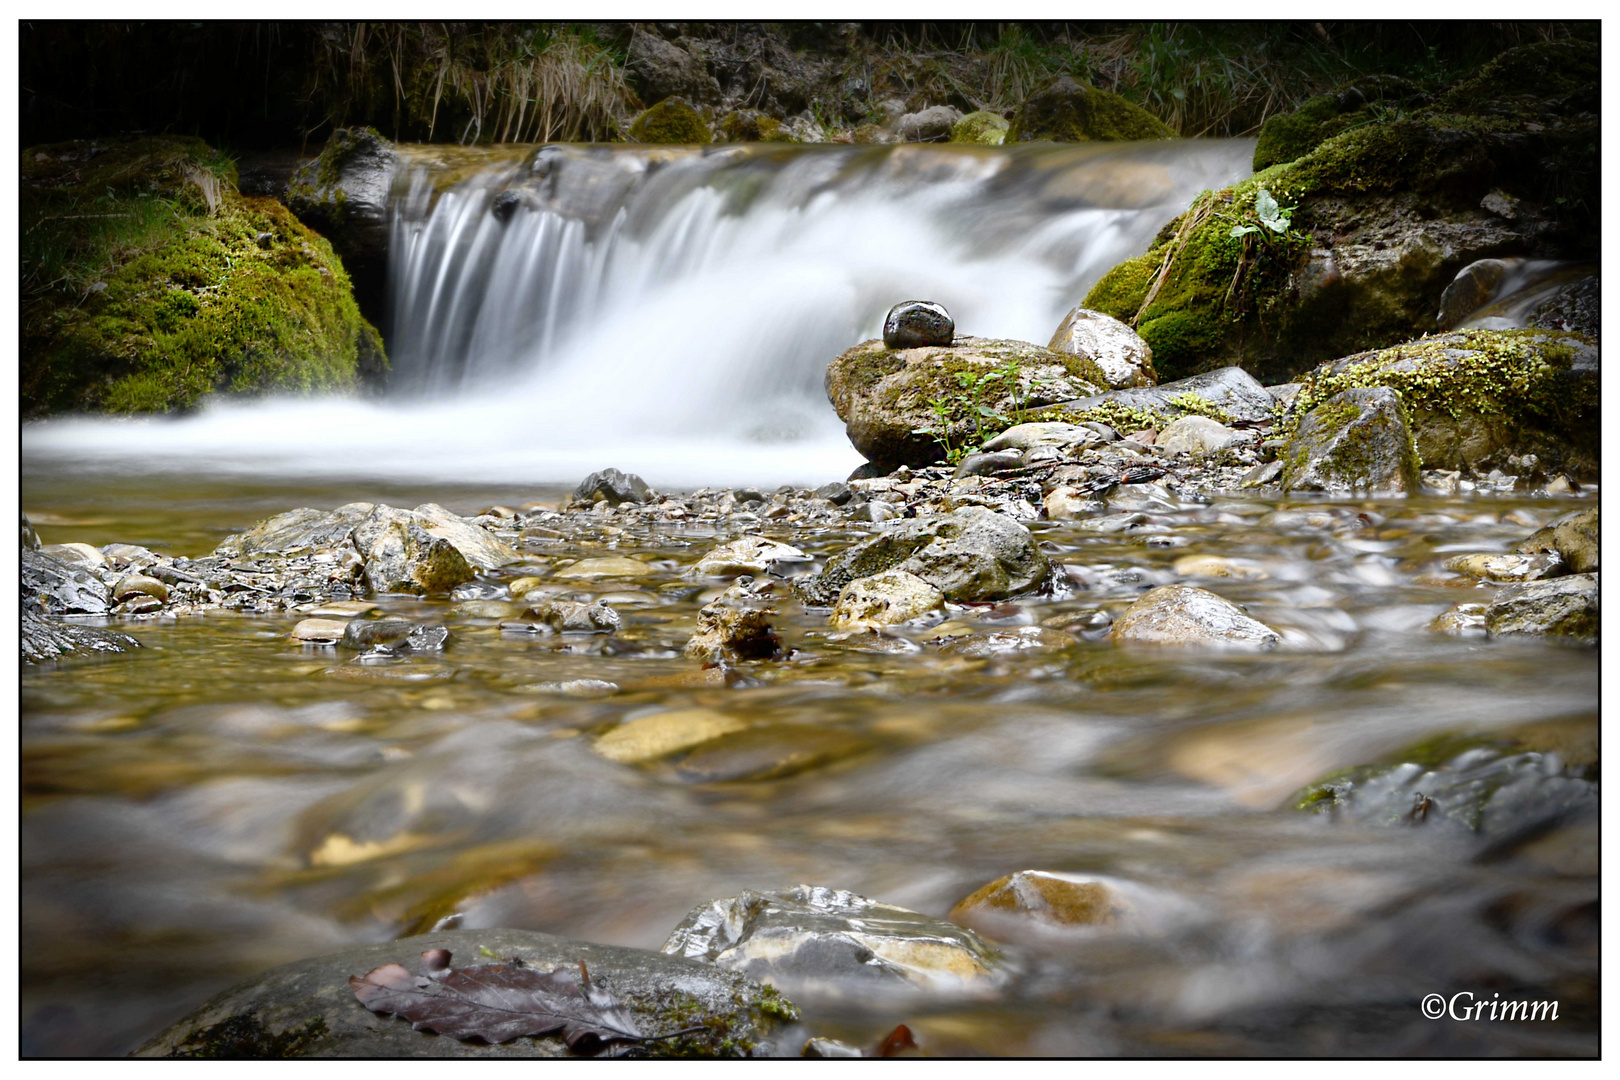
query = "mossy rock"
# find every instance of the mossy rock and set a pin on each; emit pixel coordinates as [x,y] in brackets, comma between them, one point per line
[1065,110]
[1476,397]
[1358,440]
[983,127]
[1385,213]
[671,122]
[152,283]
[1288,136]
[751,125]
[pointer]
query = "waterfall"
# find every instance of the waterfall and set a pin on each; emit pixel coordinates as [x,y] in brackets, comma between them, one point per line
[673,311]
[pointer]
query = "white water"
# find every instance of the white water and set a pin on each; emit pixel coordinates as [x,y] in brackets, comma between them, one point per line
[673,313]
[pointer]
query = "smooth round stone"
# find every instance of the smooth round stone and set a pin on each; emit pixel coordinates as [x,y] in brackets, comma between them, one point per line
[894,596]
[140,585]
[1186,616]
[319,630]
[653,737]
[76,554]
[914,324]
[609,566]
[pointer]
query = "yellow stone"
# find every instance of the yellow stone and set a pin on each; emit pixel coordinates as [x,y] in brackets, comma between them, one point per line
[523,585]
[608,566]
[660,735]
[319,629]
[1061,899]
[1215,566]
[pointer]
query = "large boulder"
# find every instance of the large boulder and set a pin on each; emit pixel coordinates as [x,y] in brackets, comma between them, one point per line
[1358,440]
[1384,215]
[883,394]
[223,294]
[1478,398]
[971,554]
[309,1009]
[1118,351]
[1286,136]
[1065,110]
[661,69]
[403,557]
[831,943]
[671,122]
[344,194]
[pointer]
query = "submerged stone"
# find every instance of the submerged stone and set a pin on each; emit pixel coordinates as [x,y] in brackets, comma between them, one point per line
[1040,897]
[1183,615]
[652,737]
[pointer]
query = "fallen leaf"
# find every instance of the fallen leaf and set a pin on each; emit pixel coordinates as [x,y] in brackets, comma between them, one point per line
[498,1002]
[895,1042]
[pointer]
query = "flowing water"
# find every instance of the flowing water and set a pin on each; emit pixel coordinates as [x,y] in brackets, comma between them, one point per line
[225,799]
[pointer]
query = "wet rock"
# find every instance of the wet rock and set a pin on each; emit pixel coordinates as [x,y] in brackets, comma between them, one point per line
[1065,110]
[297,531]
[1042,898]
[326,631]
[929,125]
[748,555]
[571,616]
[838,493]
[308,1009]
[390,634]
[982,127]
[1472,288]
[1118,351]
[767,753]
[1216,566]
[606,566]
[1577,307]
[43,638]
[828,942]
[403,557]
[1046,433]
[831,1048]
[80,556]
[970,554]
[885,599]
[52,587]
[914,324]
[1502,567]
[652,737]
[989,464]
[1069,503]
[344,195]
[662,69]
[477,546]
[612,487]
[1197,435]
[882,394]
[138,585]
[1358,440]
[1460,620]
[30,538]
[1183,615]
[736,626]
[1557,607]
[1262,474]
[424,638]
[1574,537]
[1230,391]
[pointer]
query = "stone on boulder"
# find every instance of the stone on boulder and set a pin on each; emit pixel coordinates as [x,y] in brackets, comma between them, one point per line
[885,599]
[882,394]
[1064,110]
[1231,391]
[1574,537]
[929,125]
[912,324]
[1555,607]
[308,1008]
[1358,440]
[612,487]
[971,554]
[1183,615]
[830,943]
[1118,351]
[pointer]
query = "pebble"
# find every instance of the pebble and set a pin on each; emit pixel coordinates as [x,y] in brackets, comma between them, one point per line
[325,630]
[658,736]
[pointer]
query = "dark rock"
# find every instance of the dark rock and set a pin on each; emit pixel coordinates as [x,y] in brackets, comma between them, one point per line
[990,464]
[1556,607]
[913,324]
[837,492]
[30,538]
[307,1008]
[661,69]
[1574,537]
[1064,110]
[52,587]
[44,638]
[1231,390]
[389,634]
[613,487]
[1287,136]
[972,554]
[1576,308]
[1472,288]
[1358,440]
[344,195]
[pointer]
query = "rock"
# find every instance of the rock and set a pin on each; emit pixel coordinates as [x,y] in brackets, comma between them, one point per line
[1069,503]
[138,585]
[1559,607]
[477,546]
[320,630]
[971,554]
[1574,537]
[388,634]
[1064,110]
[1472,288]
[612,487]
[914,324]
[1492,566]
[885,599]
[829,942]
[297,531]
[767,753]
[43,638]
[982,127]
[1215,566]
[882,394]
[1262,474]
[671,122]
[748,555]
[30,538]
[403,557]
[1231,391]
[423,638]
[1042,898]
[1047,433]
[308,1009]
[52,587]
[831,1048]
[1118,351]
[567,615]
[1197,435]
[344,194]
[736,626]
[837,492]
[1287,136]
[78,556]
[1460,620]
[661,70]
[989,464]
[658,736]
[606,566]
[1186,616]
[929,125]
[1358,440]
[1575,308]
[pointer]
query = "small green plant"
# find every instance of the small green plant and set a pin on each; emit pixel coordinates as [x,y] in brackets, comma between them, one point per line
[1266,219]
[968,399]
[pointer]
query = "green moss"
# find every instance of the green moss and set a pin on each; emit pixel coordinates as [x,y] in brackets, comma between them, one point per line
[1194,405]
[671,122]
[731,1033]
[234,298]
[1121,291]
[245,1036]
[1372,98]
[1064,110]
[751,125]
[983,128]
[1122,418]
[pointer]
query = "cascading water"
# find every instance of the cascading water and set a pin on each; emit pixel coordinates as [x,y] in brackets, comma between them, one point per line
[673,311]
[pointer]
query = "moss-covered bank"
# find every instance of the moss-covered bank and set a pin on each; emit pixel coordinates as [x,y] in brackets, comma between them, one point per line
[151,282]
